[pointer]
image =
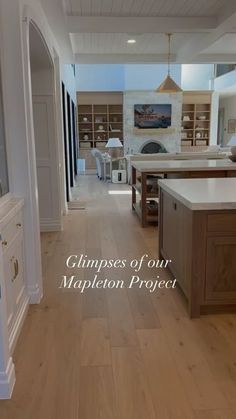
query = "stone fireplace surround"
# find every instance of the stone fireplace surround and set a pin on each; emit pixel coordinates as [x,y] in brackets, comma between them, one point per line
[134,143]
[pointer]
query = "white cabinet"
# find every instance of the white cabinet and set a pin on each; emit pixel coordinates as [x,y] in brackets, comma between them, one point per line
[12,247]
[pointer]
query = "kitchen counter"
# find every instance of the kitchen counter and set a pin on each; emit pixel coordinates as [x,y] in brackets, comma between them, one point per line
[183,165]
[186,169]
[203,194]
[197,232]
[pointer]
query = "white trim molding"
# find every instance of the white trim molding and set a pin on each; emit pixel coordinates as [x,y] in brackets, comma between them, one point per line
[7,381]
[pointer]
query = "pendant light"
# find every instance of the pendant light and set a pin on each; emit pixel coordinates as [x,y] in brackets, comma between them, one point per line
[168,85]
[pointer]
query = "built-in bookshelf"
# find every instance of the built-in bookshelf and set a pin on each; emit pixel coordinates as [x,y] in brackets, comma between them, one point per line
[97,123]
[196,119]
[100,117]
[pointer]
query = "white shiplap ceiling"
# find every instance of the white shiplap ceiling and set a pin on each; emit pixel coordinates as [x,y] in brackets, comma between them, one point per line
[112,43]
[99,30]
[144,7]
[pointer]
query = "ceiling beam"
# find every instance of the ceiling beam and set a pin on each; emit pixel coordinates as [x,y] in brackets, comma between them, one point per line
[152,59]
[122,58]
[215,59]
[195,47]
[139,25]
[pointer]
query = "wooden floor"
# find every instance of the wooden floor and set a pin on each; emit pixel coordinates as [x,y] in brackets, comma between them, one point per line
[117,354]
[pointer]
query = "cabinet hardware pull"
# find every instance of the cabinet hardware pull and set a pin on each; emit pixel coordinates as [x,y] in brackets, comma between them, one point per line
[18,225]
[4,243]
[17,267]
[175,206]
[16,270]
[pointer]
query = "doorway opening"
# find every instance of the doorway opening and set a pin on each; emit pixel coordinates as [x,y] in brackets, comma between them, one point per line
[45,131]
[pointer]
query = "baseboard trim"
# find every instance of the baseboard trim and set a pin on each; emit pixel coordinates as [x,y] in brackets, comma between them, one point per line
[50,225]
[35,294]
[7,381]
[18,323]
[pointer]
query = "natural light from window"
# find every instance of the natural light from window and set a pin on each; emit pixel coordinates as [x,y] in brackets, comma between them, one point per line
[119,192]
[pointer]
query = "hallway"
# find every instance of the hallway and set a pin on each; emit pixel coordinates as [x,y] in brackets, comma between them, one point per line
[117,353]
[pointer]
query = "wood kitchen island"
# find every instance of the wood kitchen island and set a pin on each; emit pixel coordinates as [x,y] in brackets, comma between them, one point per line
[197,232]
[184,169]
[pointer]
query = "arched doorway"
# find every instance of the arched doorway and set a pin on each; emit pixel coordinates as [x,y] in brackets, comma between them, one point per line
[45,131]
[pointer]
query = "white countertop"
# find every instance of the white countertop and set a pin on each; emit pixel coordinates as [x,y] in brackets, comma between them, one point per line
[203,194]
[183,165]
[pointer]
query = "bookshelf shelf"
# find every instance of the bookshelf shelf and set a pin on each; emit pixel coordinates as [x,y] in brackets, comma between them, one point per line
[101,110]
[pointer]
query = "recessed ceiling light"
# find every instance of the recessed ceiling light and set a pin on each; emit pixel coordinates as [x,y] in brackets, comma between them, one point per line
[131,41]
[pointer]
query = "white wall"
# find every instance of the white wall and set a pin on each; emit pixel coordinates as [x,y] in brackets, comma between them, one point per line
[148,76]
[68,78]
[226,82]
[229,106]
[101,77]
[214,118]
[197,76]
[123,77]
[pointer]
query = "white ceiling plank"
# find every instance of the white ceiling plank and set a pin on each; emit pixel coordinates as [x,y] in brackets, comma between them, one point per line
[86,7]
[101,43]
[226,11]
[116,7]
[101,24]
[158,8]
[168,7]
[106,7]
[126,7]
[148,7]
[96,7]
[76,7]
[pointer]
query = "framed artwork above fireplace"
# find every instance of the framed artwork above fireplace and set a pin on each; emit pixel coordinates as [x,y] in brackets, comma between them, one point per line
[152,116]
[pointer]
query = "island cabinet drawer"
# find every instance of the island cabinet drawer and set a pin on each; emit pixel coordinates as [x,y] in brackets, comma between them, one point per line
[10,230]
[222,222]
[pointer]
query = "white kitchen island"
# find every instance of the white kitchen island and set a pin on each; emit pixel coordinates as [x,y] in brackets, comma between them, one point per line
[197,231]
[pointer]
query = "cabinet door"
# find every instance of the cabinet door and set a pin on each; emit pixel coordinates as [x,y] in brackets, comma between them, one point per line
[9,273]
[18,285]
[177,239]
[221,269]
[14,279]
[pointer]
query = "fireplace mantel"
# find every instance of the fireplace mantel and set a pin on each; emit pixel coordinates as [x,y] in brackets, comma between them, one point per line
[154,131]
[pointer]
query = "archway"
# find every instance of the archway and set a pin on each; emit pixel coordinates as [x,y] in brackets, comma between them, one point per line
[45,131]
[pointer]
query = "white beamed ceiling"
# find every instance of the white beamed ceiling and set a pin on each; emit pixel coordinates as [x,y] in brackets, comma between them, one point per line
[144,7]
[225,45]
[116,43]
[203,30]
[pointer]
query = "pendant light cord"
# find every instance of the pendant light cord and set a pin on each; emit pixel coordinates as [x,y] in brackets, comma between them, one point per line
[169,39]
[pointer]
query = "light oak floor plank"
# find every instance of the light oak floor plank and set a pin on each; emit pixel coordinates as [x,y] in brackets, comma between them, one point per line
[214,414]
[200,384]
[95,345]
[117,354]
[133,397]
[97,398]
[164,381]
